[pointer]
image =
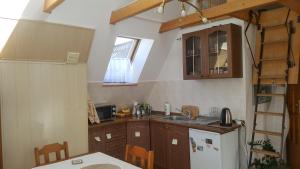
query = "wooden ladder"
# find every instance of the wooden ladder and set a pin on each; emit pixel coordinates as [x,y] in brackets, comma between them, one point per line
[277,79]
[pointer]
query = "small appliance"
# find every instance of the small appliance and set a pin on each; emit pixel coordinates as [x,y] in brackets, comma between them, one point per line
[106,113]
[226,117]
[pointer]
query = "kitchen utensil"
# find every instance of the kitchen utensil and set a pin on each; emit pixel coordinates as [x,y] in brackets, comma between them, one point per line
[226,117]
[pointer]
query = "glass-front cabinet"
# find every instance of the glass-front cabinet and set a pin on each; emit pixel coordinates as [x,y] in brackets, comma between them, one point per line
[219,51]
[193,55]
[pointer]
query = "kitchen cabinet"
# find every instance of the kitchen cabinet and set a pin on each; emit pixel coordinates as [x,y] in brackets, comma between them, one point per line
[178,147]
[138,133]
[171,146]
[213,53]
[109,139]
[158,144]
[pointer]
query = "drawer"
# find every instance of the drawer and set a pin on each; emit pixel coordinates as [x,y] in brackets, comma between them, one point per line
[115,132]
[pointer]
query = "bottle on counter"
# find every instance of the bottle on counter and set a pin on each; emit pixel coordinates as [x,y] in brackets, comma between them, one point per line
[167,109]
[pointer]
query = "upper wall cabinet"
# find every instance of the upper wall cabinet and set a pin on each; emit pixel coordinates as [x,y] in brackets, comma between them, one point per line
[213,53]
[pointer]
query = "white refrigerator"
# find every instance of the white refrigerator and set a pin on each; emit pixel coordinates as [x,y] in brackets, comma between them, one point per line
[209,150]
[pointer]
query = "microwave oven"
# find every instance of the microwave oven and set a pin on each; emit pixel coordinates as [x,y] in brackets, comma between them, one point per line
[106,113]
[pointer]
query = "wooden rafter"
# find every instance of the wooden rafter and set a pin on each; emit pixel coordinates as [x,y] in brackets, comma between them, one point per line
[292,4]
[231,8]
[49,5]
[133,8]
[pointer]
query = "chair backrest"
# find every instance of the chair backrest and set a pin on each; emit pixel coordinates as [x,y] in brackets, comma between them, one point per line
[48,149]
[139,156]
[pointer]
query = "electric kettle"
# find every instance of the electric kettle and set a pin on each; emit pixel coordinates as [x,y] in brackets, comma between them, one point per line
[226,117]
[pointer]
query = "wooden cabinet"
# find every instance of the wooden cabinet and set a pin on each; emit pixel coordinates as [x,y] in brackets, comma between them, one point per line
[109,139]
[138,133]
[158,144]
[171,146]
[213,53]
[178,156]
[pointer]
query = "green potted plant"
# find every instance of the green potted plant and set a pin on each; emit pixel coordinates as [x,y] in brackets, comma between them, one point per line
[267,162]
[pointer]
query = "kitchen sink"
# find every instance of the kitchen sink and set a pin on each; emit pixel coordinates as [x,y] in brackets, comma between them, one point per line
[200,120]
[177,118]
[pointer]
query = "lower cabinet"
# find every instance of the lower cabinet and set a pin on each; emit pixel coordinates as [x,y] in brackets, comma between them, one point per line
[109,139]
[171,146]
[170,143]
[138,133]
[178,156]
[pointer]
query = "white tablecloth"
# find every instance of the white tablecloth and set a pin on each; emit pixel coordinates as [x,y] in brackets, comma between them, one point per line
[91,159]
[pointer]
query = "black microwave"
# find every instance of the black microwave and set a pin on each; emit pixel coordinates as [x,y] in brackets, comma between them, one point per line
[106,113]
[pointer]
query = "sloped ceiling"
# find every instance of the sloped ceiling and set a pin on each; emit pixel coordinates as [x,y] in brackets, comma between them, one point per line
[96,14]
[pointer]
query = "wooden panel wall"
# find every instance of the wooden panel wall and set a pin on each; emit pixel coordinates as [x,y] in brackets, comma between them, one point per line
[276,17]
[44,41]
[42,103]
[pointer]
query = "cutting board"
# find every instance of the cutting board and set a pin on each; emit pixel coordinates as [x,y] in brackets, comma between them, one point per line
[190,108]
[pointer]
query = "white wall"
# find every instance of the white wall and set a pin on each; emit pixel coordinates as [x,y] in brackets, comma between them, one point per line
[41,103]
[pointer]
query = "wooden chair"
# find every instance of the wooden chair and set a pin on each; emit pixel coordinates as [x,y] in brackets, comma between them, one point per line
[51,148]
[139,156]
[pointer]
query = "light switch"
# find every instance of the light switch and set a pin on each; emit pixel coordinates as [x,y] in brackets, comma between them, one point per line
[108,136]
[137,134]
[174,141]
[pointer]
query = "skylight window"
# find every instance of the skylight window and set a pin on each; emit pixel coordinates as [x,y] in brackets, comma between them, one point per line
[120,68]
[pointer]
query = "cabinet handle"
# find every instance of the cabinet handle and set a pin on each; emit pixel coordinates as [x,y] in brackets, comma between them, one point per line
[98,139]
[174,141]
[137,134]
[108,136]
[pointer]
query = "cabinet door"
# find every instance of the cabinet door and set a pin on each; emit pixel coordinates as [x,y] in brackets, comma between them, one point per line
[158,144]
[138,134]
[96,139]
[219,52]
[178,148]
[192,55]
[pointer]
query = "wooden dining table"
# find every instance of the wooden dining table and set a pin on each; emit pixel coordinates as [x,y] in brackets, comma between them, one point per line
[90,160]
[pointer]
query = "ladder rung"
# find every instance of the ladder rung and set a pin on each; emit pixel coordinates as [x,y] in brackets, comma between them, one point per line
[277,26]
[274,59]
[270,133]
[269,94]
[277,41]
[269,113]
[272,76]
[269,153]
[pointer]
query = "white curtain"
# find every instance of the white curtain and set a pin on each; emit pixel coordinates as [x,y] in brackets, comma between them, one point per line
[119,71]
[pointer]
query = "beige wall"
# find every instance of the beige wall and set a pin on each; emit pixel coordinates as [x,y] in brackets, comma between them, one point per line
[41,103]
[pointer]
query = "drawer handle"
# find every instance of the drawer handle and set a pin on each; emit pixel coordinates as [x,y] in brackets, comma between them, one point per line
[108,136]
[137,134]
[174,141]
[98,139]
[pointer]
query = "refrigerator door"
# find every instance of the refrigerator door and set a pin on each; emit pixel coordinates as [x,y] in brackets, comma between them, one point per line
[205,150]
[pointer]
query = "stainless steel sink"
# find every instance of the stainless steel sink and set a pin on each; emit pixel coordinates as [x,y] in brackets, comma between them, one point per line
[177,118]
[199,120]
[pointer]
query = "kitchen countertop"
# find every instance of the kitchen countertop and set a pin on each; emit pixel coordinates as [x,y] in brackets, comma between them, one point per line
[159,117]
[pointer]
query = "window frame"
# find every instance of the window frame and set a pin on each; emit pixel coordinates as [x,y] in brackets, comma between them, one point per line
[133,50]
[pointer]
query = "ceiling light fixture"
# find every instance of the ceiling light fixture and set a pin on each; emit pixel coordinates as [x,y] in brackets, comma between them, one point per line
[161,7]
[183,10]
[183,13]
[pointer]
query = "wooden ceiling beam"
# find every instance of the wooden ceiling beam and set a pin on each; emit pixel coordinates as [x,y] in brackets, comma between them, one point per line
[133,8]
[231,8]
[50,5]
[292,4]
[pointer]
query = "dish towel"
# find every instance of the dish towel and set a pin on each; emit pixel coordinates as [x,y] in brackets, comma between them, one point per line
[92,113]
